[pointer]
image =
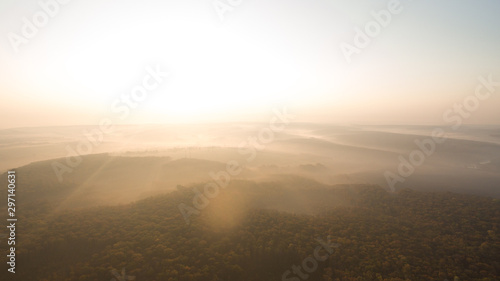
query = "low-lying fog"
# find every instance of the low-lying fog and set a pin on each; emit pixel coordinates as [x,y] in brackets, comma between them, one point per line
[146,160]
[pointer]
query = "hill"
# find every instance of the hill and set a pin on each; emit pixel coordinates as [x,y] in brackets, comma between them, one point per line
[263,230]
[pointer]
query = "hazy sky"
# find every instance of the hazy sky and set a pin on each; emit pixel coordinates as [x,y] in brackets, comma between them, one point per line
[264,54]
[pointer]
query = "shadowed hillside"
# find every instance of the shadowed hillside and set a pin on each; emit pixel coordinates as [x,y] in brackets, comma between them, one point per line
[377,236]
